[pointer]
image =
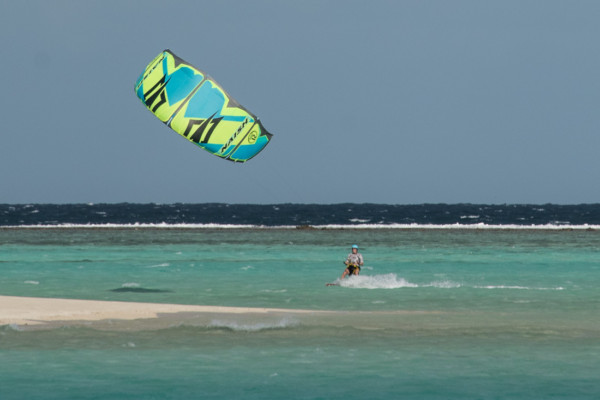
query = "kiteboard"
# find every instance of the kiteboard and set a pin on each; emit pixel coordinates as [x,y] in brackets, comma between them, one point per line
[332,284]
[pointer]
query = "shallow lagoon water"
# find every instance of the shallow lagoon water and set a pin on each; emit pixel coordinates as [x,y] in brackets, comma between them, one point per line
[448,314]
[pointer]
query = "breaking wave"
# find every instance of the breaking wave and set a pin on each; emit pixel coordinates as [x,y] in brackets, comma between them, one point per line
[254,327]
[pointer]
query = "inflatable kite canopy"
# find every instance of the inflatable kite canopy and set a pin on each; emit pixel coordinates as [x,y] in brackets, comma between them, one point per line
[194,105]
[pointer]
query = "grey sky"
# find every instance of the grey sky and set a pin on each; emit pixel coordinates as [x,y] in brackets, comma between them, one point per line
[369,101]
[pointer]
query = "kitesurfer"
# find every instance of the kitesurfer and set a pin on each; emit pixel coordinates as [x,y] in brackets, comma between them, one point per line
[353,262]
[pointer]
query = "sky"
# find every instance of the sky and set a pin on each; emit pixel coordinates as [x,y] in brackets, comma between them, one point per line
[397,102]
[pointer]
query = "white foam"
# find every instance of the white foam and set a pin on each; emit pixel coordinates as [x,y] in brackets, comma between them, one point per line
[159,265]
[130,285]
[253,327]
[355,220]
[478,226]
[386,281]
[31,282]
[444,284]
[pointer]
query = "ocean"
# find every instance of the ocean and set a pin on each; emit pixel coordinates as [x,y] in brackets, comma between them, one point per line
[454,301]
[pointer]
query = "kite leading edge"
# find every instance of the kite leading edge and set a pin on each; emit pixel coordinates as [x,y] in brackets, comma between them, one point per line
[194,105]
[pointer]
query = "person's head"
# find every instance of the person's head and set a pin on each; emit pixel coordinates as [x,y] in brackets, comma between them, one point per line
[355,248]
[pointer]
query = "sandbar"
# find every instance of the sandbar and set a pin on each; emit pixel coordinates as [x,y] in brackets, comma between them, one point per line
[15,310]
[34,313]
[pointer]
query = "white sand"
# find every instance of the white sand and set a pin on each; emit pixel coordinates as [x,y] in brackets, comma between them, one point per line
[35,311]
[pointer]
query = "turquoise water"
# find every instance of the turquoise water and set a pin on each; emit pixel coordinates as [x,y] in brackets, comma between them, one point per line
[435,314]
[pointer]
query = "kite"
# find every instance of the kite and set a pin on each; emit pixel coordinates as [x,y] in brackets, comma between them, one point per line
[194,105]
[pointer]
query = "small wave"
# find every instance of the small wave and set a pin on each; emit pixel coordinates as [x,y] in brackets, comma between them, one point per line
[254,327]
[139,290]
[358,220]
[10,327]
[31,282]
[517,287]
[274,291]
[159,265]
[386,281]
[444,284]
[134,287]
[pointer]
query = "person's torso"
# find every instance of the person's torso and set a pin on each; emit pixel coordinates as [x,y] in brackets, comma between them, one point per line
[355,259]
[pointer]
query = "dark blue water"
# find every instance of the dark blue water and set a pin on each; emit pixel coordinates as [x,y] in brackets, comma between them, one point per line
[300,214]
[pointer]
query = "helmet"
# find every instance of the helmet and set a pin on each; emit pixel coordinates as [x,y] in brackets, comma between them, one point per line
[355,246]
